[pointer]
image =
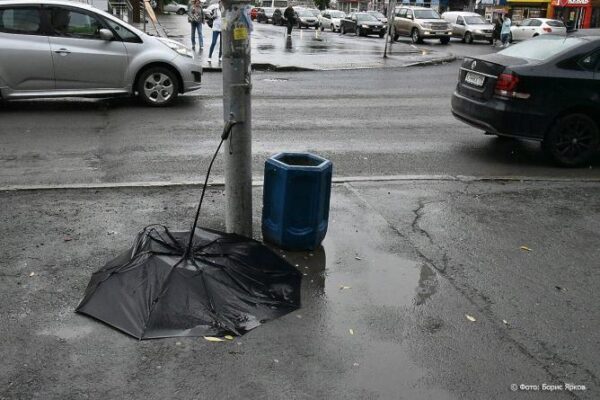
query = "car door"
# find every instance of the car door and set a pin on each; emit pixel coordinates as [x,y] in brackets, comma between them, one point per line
[534,29]
[519,32]
[82,60]
[458,28]
[25,58]
[407,22]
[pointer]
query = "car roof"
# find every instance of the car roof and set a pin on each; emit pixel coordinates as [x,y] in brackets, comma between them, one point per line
[414,7]
[462,13]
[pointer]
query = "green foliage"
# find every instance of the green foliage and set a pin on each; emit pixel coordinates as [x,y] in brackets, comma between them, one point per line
[322,4]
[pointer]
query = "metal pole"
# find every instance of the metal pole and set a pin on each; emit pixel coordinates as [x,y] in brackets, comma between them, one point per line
[389,32]
[237,86]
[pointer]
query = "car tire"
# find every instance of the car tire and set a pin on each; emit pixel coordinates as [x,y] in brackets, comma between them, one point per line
[381,34]
[359,32]
[573,140]
[332,28]
[491,41]
[510,38]
[158,87]
[414,35]
[342,30]
[181,11]
[396,37]
[445,40]
[468,38]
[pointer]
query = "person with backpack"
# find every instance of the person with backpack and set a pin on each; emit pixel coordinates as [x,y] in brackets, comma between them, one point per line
[196,19]
[290,17]
[216,31]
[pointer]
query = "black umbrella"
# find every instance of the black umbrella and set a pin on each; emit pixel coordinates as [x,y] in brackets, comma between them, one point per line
[196,283]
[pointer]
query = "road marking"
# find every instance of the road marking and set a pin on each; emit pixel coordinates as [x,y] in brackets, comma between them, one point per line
[336,180]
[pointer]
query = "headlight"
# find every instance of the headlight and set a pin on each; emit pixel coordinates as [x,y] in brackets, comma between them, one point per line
[177,47]
[426,25]
[478,31]
[365,26]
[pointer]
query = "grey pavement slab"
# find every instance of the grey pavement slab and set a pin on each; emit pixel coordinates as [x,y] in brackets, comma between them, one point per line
[417,257]
[308,49]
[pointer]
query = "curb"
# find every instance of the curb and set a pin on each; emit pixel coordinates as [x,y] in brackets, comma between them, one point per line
[435,61]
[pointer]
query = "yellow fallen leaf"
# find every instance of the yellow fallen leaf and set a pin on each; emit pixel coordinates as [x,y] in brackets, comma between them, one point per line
[351,331]
[472,319]
[228,337]
[525,248]
[213,339]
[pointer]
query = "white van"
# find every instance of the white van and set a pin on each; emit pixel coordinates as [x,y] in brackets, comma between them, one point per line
[469,26]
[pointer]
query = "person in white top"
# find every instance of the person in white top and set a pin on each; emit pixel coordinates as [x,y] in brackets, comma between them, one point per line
[216,31]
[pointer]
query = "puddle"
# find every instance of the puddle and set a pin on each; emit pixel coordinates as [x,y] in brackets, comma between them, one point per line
[67,332]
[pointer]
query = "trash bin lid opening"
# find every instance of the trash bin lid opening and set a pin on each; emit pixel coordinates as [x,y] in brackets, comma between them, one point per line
[304,160]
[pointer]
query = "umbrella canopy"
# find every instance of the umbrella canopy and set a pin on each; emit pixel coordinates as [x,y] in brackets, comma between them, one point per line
[225,283]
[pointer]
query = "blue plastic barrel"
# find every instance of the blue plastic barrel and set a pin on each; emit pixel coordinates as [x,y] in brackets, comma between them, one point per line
[296,194]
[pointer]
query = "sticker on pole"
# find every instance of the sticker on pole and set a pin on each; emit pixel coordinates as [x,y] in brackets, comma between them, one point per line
[240,33]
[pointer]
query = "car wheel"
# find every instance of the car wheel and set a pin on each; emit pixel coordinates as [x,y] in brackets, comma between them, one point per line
[342,30]
[381,34]
[445,40]
[332,28]
[158,87]
[468,38]
[510,38]
[415,36]
[491,41]
[396,37]
[359,32]
[181,11]
[572,140]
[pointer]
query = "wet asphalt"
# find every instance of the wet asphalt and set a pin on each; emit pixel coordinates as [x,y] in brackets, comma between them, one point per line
[385,301]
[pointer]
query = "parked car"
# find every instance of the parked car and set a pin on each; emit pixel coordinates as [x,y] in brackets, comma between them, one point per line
[175,7]
[379,16]
[265,14]
[469,26]
[420,23]
[67,49]
[362,24]
[305,18]
[253,13]
[544,89]
[331,19]
[533,27]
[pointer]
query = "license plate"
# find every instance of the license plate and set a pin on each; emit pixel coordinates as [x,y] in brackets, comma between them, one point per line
[474,79]
[488,35]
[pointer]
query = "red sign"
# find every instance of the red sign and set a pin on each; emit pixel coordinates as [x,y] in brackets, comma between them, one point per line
[572,3]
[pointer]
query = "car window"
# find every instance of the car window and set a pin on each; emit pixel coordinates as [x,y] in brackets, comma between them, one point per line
[409,14]
[70,23]
[460,20]
[125,34]
[543,48]
[475,20]
[20,20]
[426,14]
[555,23]
[525,22]
[535,22]
[590,62]
[402,13]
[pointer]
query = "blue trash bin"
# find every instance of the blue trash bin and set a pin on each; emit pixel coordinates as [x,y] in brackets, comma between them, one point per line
[296,196]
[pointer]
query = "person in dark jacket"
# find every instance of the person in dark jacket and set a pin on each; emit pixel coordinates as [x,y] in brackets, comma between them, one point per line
[290,17]
[497,30]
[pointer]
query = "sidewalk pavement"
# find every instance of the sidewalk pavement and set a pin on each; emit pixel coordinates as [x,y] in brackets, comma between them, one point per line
[384,301]
[306,49]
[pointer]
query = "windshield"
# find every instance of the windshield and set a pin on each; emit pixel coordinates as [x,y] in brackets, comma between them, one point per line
[376,14]
[365,17]
[542,47]
[475,20]
[316,13]
[557,24]
[305,13]
[337,14]
[426,14]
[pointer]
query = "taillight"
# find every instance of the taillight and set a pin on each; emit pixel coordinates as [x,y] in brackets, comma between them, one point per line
[506,85]
[547,30]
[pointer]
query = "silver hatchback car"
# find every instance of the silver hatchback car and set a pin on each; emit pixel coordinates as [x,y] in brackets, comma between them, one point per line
[56,48]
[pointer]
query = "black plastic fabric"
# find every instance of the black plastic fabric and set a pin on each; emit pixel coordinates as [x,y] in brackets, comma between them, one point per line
[227,284]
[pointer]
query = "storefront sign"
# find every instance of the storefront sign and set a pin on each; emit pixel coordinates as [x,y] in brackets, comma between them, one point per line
[571,3]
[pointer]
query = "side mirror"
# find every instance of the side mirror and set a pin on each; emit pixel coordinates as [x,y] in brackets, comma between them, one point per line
[105,34]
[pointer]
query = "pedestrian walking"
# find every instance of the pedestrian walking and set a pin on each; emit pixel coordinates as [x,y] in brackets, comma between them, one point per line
[505,32]
[497,30]
[196,20]
[290,17]
[216,32]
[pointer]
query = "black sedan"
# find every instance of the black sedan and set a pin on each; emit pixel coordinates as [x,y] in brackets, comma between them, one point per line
[362,24]
[545,89]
